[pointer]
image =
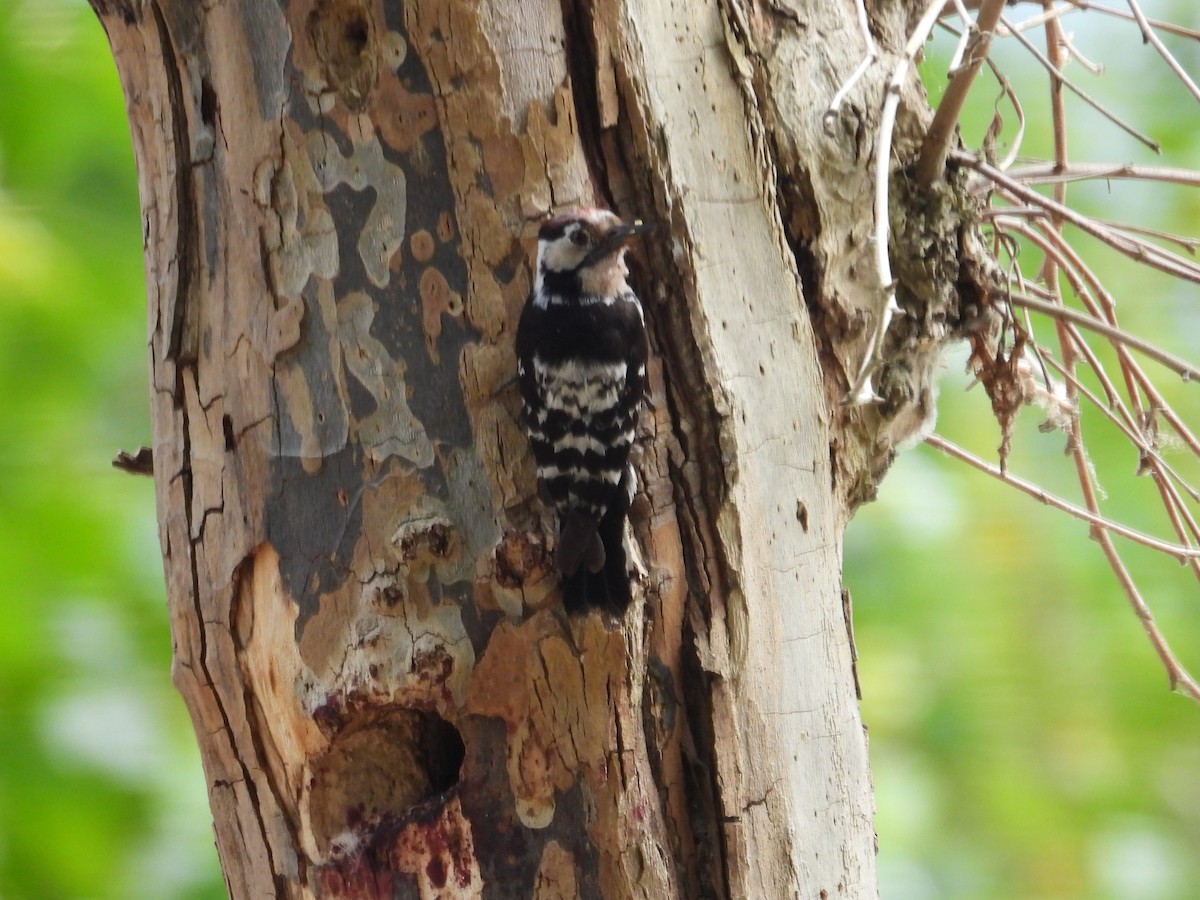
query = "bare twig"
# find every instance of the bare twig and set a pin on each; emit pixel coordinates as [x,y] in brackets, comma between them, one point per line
[1181,367]
[1006,87]
[1153,39]
[1159,403]
[1054,62]
[1035,21]
[961,9]
[932,161]
[1069,341]
[963,38]
[1101,528]
[1166,479]
[1169,27]
[1005,215]
[1138,410]
[1061,253]
[1118,414]
[1045,16]
[1102,307]
[1077,55]
[1135,378]
[1190,244]
[1061,79]
[1048,173]
[1177,552]
[1181,520]
[1052,244]
[1011,157]
[1178,676]
[1140,251]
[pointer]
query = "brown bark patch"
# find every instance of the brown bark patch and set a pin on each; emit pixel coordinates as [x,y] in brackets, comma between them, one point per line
[437,300]
[421,244]
[403,117]
[552,690]
[523,574]
[556,879]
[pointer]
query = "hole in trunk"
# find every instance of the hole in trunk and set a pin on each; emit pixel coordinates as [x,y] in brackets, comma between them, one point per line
[382,764]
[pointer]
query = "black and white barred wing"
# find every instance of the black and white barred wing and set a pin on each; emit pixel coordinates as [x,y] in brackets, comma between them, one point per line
[581,426]
[581,407]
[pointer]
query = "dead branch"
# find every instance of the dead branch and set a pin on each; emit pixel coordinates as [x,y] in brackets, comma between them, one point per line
[1139,251]
[1138,409]
[1101,529]
[1007,89]
[872,54]
[1153,39]
[1169,27]
[932,161]
[1048,173]
[1083,320]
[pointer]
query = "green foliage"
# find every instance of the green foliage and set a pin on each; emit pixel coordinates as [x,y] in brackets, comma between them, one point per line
[101,793]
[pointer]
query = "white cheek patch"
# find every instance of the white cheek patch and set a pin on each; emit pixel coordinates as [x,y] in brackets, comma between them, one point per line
[560,255]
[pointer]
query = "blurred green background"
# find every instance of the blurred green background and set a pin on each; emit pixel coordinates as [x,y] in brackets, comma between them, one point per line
[101,792]
[1023,739]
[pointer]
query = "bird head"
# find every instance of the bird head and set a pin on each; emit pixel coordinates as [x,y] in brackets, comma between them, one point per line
[588,247]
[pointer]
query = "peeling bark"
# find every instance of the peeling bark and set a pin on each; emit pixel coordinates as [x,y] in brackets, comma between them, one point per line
[340,199]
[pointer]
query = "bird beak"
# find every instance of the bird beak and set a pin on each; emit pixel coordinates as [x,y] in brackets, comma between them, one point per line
[616,239]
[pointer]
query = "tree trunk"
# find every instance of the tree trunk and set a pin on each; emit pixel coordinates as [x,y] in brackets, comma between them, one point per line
[340,199]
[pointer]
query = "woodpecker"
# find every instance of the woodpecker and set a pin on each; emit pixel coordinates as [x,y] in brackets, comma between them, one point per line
[581,368]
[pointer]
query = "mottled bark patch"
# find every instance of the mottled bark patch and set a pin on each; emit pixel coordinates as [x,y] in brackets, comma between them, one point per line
[431,854]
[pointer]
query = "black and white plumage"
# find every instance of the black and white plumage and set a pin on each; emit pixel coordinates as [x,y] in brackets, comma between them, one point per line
[581,352]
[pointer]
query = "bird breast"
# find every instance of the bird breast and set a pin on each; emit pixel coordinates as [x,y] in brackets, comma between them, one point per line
[577,387]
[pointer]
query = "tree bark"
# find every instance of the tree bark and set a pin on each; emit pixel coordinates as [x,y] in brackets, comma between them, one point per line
[340,199]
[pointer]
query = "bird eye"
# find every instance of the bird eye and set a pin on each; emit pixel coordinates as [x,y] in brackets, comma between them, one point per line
[580,238]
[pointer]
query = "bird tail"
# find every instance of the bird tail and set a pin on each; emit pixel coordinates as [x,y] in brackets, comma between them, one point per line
[591,558]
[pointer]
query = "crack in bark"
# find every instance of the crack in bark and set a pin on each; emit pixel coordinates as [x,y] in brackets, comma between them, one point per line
[185,201]
[198,604]
[580,50]
[257,729]
[183,357]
